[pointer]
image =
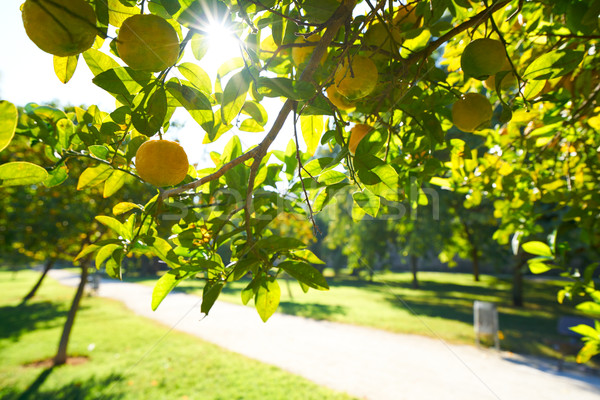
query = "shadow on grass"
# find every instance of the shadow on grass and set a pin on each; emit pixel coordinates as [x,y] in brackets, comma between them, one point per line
[310,310]
[78,390]
[24,318]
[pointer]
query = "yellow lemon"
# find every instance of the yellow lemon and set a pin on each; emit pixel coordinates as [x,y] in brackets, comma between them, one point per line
[60,27]
[472,112]
[357,81]
[148,43]
[338,100]
[378,37]
[508,80]
[483,58]
[161,162]
[407,17]
[302,54]
[357,133]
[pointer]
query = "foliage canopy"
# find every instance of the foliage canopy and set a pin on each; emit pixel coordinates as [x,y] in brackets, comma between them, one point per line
[541,146]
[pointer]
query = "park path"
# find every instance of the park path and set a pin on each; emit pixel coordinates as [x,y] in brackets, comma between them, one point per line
[364,362]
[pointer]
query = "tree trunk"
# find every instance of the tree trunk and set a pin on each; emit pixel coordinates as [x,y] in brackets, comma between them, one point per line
[49,263]
[413,268]
[61,354]
[517,290]
[475,258]
[474,250]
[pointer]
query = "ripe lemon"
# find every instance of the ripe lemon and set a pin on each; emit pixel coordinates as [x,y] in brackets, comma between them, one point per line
[379,38]
[161,162]
[407,17]
[60,27]
[483,58]
[301,55]
[358,81]
[472,112]
[357,133]
[508,80]
[338,100]
[148,43]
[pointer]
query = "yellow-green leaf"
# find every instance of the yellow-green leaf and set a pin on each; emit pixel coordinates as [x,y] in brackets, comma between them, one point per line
[312,128]
[537,248]
[267,298]
[8,122]
[64,67]
[123,207]
[21,173]
[116,180]
[93,176]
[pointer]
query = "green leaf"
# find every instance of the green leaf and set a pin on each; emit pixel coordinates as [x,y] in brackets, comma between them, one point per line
[21,173]
[122,81]
[194,102]
[93,176]
[539,268]
[150,111]
[113,224]
[104,254]
[8,122]
[256,111]
[312,128]
[163,250]
[234,96]
[367,201]
[209,295]
[586,330]
[115,182]
[199,46]
[331,177]
[249,291]
[98,61]
[553,64]
[169,281]
[89,249]
[123,207]
[99,151]
[319,11]
[308,256]
[538,249]
[56,176]
[267,298]
[241,268]
[285,87]
[229,66]
[533,88]
[197,77]
[588,351]
[589,307]
[305,273]
[64,67]
[276,243]
[250,125]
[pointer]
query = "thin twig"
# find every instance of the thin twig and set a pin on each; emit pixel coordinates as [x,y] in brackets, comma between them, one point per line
[300,168]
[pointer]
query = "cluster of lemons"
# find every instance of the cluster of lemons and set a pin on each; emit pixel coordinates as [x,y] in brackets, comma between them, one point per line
[145,42]
[481,59]
[356,79]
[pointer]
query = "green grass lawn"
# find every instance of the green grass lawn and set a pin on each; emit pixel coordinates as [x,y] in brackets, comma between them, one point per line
[441,308]
[129,357]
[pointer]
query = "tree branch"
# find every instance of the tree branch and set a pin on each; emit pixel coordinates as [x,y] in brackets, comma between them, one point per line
[336,21]
[473,22]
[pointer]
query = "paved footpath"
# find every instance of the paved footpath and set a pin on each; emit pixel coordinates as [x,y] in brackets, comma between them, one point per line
[366,363]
